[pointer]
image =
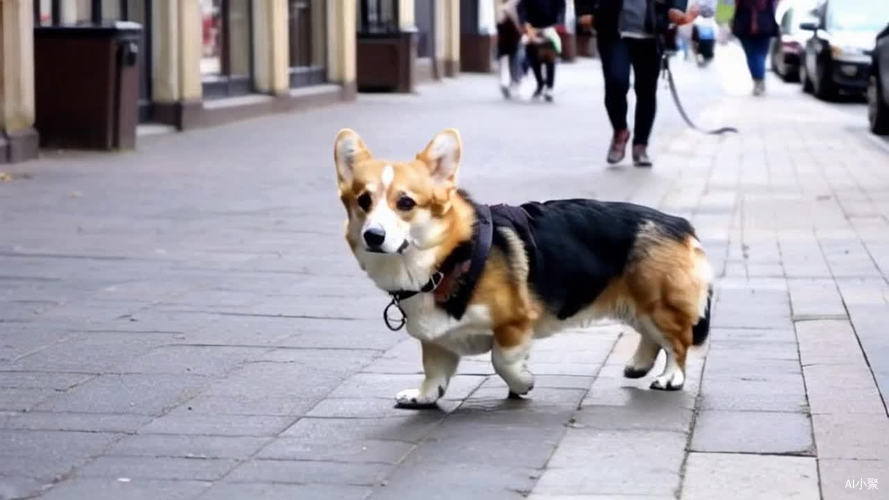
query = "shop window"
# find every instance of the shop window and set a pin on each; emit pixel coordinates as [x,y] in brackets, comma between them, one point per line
[47,12]
[378,16]
[226,54]
[306,30]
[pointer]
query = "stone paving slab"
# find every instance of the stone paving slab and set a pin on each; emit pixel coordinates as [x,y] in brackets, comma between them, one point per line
[749,477]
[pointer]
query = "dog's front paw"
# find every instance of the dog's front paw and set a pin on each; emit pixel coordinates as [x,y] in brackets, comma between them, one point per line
[521,385]
[414,398]
[668,382]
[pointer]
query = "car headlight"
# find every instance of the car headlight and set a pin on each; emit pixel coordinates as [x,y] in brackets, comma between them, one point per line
[837,51]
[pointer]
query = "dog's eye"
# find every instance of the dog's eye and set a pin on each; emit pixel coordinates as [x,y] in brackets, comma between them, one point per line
[364,201]
[404,203]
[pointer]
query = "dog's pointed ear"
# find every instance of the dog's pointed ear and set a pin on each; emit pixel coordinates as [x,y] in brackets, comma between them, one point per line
[442,156]
[348,150]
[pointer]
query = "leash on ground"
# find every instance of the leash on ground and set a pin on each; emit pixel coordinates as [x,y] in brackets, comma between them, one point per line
[675,93]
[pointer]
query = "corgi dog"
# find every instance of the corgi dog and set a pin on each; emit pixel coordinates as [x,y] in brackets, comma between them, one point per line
[472,278]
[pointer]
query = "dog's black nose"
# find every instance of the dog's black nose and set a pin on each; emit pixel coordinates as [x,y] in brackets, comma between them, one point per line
[374,236]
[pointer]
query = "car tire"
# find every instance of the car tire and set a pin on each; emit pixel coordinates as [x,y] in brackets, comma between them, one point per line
[775,56]
[804,79]
[877,110]
[790,75]
[823,87]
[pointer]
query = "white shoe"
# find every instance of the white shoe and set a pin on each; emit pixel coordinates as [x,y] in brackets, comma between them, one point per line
[548,94]
[759,87]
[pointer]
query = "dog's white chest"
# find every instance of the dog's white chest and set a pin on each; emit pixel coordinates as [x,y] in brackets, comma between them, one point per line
[469,335]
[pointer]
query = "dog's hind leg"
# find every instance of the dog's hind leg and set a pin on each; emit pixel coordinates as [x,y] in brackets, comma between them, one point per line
[439,365]
[512,345]
[644,358]
[671,339]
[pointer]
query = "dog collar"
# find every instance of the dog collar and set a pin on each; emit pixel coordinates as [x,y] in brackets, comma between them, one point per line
[468,260]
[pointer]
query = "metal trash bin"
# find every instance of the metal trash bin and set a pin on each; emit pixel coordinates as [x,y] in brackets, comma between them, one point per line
[87,85]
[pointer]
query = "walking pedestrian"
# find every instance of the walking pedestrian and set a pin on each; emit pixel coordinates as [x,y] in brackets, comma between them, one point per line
[544,45]
[754,25]
[629,34]
[509,43]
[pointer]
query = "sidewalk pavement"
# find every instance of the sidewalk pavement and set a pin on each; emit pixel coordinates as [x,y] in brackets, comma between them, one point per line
[186,321]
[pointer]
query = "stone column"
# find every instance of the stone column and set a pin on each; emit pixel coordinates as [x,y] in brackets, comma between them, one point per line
[18,139]
[451,30]
[165,53]
[176,62]
[190,36]
[341,29]
[270,47]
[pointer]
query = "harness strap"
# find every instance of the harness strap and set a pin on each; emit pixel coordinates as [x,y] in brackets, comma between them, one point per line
[455,304]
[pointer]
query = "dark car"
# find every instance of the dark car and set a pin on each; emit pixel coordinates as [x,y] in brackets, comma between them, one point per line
[837,57]
[878,86]
[787,49]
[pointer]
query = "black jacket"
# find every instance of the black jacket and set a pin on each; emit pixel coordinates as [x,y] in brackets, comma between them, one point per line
[542,13]
[754,18]
[607,15]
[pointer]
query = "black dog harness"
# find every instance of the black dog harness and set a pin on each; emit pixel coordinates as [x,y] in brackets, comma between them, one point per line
[464,266]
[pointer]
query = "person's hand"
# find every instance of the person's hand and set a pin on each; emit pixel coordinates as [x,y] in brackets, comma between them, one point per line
[679,18]
[586,22]
[530,32]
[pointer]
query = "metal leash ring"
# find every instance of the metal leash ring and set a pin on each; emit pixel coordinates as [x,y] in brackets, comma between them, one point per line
[394,324]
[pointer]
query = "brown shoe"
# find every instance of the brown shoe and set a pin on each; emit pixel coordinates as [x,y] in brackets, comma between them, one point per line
[618,148]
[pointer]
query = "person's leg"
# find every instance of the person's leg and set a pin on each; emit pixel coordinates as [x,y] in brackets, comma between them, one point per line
[505,76]
[515,66]
[616,72]
[761,52]
[550,80]
[646,62]
[534,59]
[550,74]
[748,45]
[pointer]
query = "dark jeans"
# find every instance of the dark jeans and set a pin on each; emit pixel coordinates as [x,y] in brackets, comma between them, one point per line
[617,57]
[537,66]
[756,49]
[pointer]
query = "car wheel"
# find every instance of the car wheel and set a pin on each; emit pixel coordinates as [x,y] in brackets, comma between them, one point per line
[777,66]
[877,110]
[804,79]
[823,86]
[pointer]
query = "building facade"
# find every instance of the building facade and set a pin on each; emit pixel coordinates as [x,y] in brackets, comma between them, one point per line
[204,62]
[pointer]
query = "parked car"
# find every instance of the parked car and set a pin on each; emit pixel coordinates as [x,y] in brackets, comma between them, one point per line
[878,86]
[787,49]
[837,56]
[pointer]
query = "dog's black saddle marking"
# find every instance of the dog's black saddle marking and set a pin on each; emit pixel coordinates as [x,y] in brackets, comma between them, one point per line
[575,247]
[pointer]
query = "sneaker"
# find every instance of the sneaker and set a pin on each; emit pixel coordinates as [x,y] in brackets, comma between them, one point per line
[759,87]
[548,95]
[617,150]
[640,156]
[537,93]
